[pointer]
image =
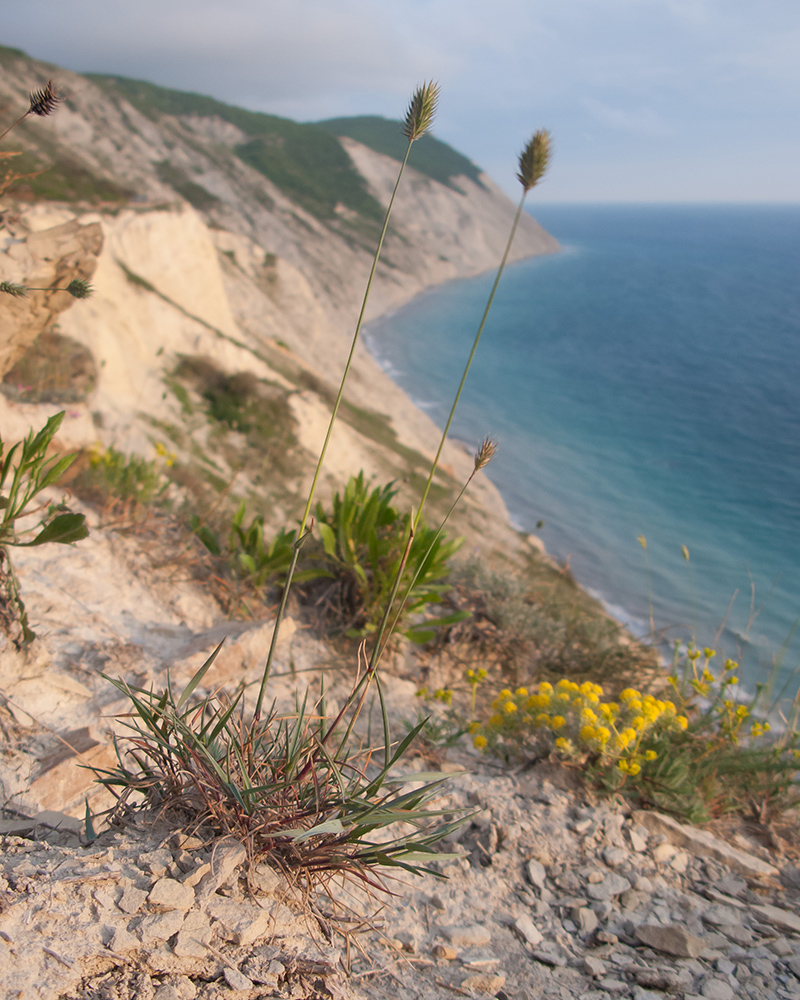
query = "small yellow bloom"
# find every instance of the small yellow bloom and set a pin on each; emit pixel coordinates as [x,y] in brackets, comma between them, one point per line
[557,722]
[479,742]
[733,680]
[521,692]
[545,688]
[639,723]
[509,708]
[622,765]
[634,768]
[650,755]
[682,721]
[709,652]
[602,735]
[542,719]
[562,744]
[504,694]
[588,733]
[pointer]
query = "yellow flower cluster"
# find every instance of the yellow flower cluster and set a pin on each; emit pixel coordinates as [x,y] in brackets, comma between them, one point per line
[580,723]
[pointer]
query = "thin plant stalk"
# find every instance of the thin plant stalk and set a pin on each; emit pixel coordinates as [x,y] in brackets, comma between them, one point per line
[484,455]
[418,121]
[533,162]
[643,542]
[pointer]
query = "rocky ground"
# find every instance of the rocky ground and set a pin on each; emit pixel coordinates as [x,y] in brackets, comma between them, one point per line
[555,896]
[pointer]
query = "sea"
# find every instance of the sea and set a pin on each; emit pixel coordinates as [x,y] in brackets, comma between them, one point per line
[644,387]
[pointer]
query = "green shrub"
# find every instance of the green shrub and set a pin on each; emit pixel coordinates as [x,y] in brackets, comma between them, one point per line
[703,752]
[365,544]
[111,475]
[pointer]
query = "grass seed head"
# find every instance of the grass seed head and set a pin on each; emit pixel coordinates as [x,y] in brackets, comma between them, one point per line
[485,453]
[44,102]
[533,159]
[79,288]
[421,111]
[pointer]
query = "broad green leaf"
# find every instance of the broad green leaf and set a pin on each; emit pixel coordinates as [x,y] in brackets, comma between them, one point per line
[65,528]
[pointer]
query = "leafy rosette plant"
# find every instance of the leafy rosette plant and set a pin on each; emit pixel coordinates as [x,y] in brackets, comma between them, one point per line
[25,471]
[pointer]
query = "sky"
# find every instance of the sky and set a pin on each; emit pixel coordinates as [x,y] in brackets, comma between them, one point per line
[646,100]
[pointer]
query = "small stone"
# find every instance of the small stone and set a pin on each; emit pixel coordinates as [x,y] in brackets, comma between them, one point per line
[241,923]
[264,879]
[659,979]
[673,940]
[612,885]
[226,859]
[587,919]
[594,967]
[236,980]
[780,918]
[550,954]
[607,937]
[719,916]
[631,899]
[724,966]
[740,935]
[761,966]
[680,862]
[536,873]
[794,965]
[484,982]
[615,856]
[122,940]
[643,884]
[437,902]
[526,928]
[160,926]
[193,936]
[445,951]
[155,862]
[473,936]
[782,947]
[664,853]
[595,877]
[638,838]
[167,894]
[717,989]
[614,986]
[132,899]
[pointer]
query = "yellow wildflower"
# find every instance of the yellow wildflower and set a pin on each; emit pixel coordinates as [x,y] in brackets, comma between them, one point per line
[509,708]
[557,722]
[479,742]
[521,692]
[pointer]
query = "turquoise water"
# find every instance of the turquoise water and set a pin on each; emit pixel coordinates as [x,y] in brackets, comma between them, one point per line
[645,381]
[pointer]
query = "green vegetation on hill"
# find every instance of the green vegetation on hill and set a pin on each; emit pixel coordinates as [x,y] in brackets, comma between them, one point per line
[432,157]
[305,161]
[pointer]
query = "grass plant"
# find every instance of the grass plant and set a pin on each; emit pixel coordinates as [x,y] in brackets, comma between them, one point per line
[295,787]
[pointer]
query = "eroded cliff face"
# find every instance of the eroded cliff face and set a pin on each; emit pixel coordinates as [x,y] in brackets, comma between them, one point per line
[43,259]
[245,278]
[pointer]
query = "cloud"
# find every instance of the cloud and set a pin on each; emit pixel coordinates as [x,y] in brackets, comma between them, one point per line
[637,121]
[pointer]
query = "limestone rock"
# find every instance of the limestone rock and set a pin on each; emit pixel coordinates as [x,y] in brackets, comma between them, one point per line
[673,940]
